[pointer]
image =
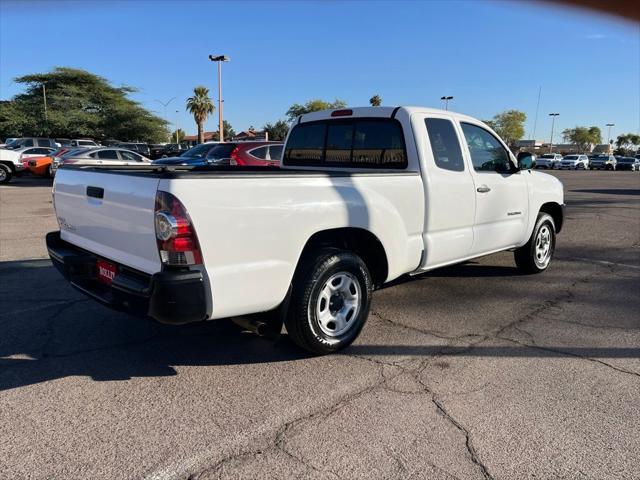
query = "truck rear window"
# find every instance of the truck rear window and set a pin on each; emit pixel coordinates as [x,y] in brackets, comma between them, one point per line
[349,143]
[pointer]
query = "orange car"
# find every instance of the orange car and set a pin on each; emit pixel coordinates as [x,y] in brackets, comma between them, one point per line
[42,165]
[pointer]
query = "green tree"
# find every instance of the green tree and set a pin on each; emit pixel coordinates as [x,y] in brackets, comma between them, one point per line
[229,132]
[79,104]
[313,106]
[277,130]
[179,137]
[509,125]
[628,142]
[200,106]
[375,101]
[583,137]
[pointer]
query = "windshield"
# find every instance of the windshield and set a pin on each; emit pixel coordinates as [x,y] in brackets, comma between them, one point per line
[14,145]
[571,157]
[548,155]
[626,160]
[197,151]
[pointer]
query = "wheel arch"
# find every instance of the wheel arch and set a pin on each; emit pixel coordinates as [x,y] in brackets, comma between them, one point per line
[557,213]
[11,165]
[358,240]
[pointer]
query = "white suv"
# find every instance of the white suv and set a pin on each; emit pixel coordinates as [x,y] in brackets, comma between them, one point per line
[575,162]
[549,160]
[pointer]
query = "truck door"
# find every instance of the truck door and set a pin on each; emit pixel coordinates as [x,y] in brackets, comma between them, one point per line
[449,189]
[500,189]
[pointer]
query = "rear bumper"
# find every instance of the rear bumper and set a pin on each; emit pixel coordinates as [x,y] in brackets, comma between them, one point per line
[174,297]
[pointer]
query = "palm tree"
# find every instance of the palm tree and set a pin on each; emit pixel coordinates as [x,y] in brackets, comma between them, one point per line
[201,106]
[375,101]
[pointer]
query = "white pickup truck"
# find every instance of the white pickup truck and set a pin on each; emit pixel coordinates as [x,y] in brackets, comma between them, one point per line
[363,196]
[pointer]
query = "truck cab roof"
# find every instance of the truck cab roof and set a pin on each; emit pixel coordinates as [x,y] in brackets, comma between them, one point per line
[373,112]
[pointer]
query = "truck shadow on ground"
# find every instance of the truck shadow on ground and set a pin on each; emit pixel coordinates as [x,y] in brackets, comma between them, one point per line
[48,331]
[610,191]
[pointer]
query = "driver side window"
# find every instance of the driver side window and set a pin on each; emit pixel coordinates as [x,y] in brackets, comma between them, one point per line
[487,153]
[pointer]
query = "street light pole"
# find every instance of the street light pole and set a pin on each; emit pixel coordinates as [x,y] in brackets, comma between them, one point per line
[165,105]
[446,101]
[220,59]
[553,121]
[609,134]
[177,138]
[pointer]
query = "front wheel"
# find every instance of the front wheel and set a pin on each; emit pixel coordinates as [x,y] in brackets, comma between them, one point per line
[330,301]
[535,255]
[5,174]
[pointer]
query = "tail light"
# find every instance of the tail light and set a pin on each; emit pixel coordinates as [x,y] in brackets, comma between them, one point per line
[234,157]
[176,238]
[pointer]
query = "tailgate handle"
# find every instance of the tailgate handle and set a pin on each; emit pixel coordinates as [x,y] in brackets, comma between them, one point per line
[95,192]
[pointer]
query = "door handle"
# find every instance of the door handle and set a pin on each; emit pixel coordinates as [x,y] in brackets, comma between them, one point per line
[483,189]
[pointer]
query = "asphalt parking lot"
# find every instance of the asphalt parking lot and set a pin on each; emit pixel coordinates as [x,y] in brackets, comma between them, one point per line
[473,371]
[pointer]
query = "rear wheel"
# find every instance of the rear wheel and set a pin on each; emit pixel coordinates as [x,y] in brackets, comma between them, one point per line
[5,174]
[49,173]
[330,301]
[535,255]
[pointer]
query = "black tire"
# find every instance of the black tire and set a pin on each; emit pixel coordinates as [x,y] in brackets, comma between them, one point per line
[49,173]
[303,321]
[5,174]
[527,257]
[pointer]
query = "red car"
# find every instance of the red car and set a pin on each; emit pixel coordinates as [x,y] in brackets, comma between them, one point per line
[264,154]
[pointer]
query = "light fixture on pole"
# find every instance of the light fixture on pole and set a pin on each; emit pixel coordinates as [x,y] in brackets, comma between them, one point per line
[220,59]
[609,134]
[165,105]
[553,121]
[446,101]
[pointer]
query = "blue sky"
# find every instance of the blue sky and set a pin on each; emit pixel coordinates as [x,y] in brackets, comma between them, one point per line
[490,56]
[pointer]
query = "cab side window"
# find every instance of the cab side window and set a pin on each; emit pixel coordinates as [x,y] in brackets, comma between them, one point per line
[487,153]
[444,144]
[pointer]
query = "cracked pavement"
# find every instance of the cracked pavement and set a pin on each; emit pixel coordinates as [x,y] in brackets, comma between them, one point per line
[469,372]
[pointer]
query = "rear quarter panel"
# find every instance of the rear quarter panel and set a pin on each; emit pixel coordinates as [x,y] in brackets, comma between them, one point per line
[252,229]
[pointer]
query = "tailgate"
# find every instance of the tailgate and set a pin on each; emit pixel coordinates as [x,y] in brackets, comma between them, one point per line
[111,215]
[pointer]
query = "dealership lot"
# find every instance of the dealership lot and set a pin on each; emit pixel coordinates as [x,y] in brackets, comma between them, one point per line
[473,371]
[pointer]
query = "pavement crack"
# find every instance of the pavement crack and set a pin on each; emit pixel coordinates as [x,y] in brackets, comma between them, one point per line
[570,354]
[468,441]
[433,333]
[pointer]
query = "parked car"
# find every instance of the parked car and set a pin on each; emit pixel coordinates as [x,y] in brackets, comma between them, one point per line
[58,159]
[42,166]
[256,153]
[12,162]
[347,211]
[549,161]
[141,148]
[200,155]
[575,162]
[83,142]
[101,156]
[628,163]
[602,162]
[231,153]
[25,142]
[167,150]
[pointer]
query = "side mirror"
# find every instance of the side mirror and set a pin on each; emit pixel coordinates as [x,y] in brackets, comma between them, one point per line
[525,161]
